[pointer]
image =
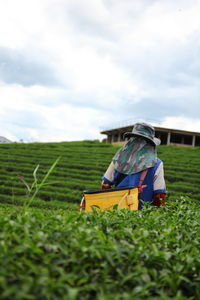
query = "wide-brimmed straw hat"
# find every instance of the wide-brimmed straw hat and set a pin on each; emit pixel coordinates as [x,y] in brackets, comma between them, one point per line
[145,130]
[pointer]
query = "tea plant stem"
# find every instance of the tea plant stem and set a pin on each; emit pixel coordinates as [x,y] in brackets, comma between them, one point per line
[38,186]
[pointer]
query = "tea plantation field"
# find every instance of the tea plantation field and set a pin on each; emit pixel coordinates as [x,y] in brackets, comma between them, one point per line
[81,166]
[50,250]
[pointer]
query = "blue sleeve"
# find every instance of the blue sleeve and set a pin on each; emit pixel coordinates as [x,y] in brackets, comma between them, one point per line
[106,180]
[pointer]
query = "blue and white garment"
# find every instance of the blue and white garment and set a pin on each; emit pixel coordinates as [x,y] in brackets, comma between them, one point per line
[154,180]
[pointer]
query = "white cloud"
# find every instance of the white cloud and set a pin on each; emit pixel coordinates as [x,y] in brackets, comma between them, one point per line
[182,123]
[170,21]
[26,115]
[85,63]
[72,123]
[19,21]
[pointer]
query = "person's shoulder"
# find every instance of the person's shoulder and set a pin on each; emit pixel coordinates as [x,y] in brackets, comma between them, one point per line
[159,163]
[159,160]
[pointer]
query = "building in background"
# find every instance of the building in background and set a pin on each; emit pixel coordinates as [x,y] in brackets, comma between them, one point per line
[167,136]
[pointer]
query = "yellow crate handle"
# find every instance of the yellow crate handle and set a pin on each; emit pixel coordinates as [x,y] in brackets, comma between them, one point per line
[121,202]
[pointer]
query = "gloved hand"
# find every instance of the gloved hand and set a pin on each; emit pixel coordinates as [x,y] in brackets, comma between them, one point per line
[105,185]
[159,199]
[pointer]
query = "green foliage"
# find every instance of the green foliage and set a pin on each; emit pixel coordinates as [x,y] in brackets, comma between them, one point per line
[62,254]
[81,166]
[35,186]
[52,251]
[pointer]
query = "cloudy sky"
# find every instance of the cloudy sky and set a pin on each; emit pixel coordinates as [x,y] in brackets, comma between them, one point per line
[70,67]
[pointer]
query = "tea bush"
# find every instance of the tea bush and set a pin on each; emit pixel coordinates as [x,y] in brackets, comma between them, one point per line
[66,254]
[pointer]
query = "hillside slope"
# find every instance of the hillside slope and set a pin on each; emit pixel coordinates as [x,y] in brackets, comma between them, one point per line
[81,166]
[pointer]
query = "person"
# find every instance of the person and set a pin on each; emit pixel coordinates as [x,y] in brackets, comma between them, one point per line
[137,164]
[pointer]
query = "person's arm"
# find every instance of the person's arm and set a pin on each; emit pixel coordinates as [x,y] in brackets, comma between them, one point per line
[108,177]
[159,193]
[105,185]
[159,199]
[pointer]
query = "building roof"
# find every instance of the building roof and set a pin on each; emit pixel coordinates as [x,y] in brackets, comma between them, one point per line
[163,129]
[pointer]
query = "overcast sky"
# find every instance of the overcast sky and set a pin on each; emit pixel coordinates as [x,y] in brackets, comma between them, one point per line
[70,67]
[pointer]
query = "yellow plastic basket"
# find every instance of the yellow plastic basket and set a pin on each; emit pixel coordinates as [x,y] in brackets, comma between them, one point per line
[124,197]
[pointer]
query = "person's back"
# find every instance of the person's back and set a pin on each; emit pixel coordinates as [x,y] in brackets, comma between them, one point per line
[138,159]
